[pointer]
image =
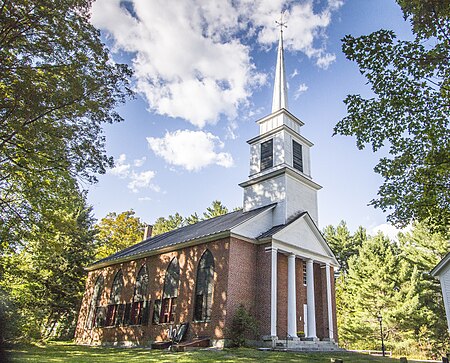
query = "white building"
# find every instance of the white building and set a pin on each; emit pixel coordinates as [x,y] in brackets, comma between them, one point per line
[442,271]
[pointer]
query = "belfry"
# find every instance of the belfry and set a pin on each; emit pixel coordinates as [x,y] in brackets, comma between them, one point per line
[269,257]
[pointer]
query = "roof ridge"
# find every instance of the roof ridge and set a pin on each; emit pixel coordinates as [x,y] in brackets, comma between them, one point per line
[187,233]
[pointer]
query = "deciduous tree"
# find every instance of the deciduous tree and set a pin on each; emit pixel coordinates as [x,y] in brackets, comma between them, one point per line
[409,114]
[118,231]
[58,86]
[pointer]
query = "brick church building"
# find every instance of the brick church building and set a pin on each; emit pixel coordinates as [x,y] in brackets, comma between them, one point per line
[270,257]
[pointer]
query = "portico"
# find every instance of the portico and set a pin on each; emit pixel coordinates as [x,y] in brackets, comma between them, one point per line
[296,259]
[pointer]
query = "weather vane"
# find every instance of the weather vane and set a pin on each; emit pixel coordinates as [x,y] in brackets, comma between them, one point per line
[281,23]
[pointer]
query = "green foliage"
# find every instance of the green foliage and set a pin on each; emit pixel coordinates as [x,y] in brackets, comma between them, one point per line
[392,279]
[118,231]
[243,326]
[43,282]
[58,87]
[216,209]
[343,244]
[409,115]
[163,225]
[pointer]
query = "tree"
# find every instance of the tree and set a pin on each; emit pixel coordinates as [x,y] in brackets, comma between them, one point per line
[58,86]
[193,218]
[409,114]
[343,244]
[392,279]
[43,281]
[118,231]
[216,209]
[163,225]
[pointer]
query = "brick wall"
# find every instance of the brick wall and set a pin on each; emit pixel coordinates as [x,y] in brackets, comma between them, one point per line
[282,295]
[263,288]
[242,275]
[300,294]
[156,266]
[318,299]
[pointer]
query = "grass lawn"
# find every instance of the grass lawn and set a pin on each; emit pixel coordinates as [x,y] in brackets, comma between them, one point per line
[71,353]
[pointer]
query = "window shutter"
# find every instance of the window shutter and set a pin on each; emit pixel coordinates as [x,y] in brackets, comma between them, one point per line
[266,154]
[298,155]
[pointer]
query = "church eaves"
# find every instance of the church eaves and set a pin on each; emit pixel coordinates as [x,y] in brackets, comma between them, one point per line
[199,231]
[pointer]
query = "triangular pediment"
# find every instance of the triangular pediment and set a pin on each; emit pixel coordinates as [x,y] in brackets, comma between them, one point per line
[303,234]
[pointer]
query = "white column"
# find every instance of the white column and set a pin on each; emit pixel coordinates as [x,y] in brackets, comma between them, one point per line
[329,304]
[310,299]
[292,308]
[273,294]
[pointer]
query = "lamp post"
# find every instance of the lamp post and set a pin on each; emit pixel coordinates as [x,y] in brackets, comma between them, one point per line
[380,319]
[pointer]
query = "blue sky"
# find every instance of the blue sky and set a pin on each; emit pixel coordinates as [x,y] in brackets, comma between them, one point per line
[204,74]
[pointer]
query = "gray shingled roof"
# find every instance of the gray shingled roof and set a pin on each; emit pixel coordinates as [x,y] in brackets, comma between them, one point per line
[198,230]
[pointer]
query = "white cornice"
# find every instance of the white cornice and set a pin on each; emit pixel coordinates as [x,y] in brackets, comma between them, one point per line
[276,113]
[280,170]
[440,266]
[278,129]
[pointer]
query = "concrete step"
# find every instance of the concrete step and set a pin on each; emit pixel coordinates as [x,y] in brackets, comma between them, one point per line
[308,346]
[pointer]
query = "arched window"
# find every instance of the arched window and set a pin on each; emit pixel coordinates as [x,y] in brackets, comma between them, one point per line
[204,287]
[139,310]
[94,313]
[115,308]
[170,292]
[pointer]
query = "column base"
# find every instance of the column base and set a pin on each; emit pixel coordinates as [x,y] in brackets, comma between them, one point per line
[269,337]
[293,338]
[311,339]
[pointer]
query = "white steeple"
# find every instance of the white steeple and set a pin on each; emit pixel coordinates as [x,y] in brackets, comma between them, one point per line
[280,167]
[279,90]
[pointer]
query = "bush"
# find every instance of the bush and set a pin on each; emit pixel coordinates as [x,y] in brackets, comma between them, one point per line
[243,325]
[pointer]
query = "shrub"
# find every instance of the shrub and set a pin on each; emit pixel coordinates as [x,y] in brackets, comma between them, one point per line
[243,325]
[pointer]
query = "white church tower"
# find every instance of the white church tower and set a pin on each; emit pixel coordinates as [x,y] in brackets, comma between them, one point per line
[280,167]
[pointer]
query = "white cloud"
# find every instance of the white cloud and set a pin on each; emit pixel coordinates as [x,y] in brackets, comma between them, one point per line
[295,73]
[389,230]
[144,199]
[139,162]
[142,180]
[136,180]
[121,169]
[306,28]
[189,57]
[301,89]
[192,150]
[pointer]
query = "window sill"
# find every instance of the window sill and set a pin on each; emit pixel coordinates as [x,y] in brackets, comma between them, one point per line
[201,321]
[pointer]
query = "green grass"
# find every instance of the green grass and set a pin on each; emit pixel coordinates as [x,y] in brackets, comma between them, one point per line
[71,353]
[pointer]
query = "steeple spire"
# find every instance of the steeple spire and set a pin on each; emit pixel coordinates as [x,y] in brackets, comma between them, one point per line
[279,90]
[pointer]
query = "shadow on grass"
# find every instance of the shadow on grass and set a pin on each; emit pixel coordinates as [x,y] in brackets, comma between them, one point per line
[71,353]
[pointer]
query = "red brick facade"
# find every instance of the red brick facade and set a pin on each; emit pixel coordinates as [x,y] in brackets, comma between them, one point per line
[242,275]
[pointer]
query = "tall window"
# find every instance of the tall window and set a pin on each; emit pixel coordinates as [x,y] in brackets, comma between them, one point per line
[94,307]
[298,155]
[115,309]
[170,292]
[266,155]
[139,309]
[204,287]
